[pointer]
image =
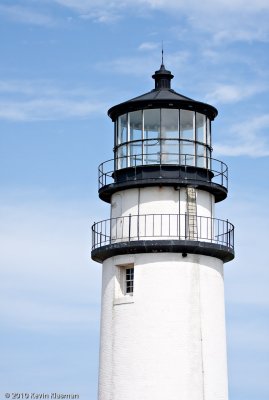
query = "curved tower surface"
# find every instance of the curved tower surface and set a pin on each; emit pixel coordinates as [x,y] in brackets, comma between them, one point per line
[163,250]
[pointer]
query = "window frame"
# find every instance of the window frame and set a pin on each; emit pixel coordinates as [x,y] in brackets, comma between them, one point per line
[122,295]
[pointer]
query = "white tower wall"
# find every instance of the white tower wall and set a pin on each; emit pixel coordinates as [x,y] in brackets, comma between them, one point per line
[154,200]
[168,339]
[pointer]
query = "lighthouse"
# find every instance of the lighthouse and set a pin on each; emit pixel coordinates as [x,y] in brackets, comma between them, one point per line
[162,252]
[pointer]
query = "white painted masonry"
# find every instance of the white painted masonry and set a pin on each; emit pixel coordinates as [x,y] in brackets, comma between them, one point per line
[168,341]
[158,200]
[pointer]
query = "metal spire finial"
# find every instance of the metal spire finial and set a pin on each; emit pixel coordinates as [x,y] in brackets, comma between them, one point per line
[162,52]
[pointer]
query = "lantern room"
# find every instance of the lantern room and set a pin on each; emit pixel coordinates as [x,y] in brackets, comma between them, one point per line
[162,137]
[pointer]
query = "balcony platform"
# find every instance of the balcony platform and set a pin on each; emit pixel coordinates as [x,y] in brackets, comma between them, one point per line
[158,233]
[163,246]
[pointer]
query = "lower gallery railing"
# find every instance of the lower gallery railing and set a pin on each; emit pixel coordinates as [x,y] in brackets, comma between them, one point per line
[162,227]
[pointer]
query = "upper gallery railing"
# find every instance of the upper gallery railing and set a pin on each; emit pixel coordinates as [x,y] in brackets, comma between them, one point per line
[214,171]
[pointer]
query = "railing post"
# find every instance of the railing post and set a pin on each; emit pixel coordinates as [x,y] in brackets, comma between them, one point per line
[212,228]
[227,228]
[93,236]
[135,167]
[116,161]
[185,226]
[130,218]
[138,226]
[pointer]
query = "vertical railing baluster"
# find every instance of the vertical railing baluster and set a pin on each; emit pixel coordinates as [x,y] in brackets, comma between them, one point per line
[129,227]
[227,230]
[212,229]
[135,167]
[145,228]
[138,226]
[145,225]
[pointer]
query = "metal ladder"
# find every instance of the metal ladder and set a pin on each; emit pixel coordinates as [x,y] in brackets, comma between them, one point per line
[191,215]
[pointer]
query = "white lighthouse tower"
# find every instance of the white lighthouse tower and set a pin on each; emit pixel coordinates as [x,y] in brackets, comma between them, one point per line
[162,250]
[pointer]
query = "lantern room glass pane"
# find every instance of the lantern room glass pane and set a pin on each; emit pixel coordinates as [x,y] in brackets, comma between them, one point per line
[200,156]
[169,124]
[208,132]
[122,129]
[135,119]
[135,153]
[170,153]
[122,157]
[200,128]
[152,123]
[152,151]
[186,124]
[187,153]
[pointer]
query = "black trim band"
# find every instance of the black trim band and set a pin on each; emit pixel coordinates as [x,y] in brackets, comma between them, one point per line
[224,253]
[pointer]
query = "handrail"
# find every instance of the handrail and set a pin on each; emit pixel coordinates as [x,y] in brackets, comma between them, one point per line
[217,171]
[162,227]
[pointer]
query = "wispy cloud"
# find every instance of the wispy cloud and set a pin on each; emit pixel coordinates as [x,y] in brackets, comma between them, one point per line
[41,100]
[232,93]
[248,138]
[26,15]
[147,46]
[137,65]
[97,10]
[45,109]
[230,21]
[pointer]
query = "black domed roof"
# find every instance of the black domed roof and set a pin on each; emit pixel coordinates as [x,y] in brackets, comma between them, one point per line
[162,97]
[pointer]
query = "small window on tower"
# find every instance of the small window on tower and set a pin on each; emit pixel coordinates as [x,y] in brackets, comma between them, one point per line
[129,281]
[124,283]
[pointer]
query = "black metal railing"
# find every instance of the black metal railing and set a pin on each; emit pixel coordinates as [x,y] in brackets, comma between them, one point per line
[216,171]
[162,227]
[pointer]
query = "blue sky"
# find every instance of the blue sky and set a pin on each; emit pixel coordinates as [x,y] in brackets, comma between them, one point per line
[63,64]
